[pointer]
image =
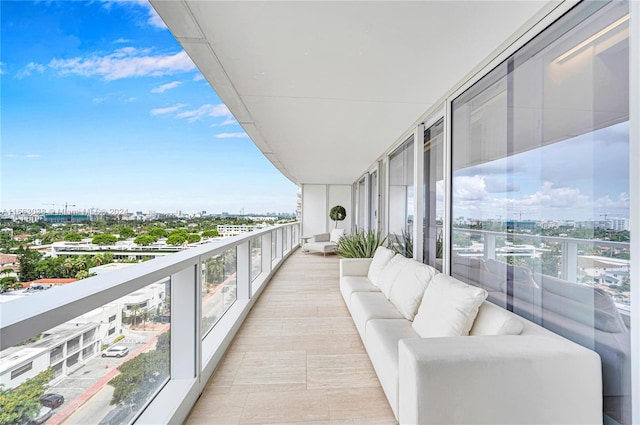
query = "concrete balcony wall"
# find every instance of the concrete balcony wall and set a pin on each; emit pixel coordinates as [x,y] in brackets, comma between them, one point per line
[317,201]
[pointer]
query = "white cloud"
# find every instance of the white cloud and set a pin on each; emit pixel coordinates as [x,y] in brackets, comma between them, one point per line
[621,202]
[2,71]
[99,99]
[167,110]
[154,19]
[228,121]
[122,41]
[124,63]
[198,77]
[241,135]
[151,17]
[29,69]
[164,87]
[561,197]
[207,110]
[469,188]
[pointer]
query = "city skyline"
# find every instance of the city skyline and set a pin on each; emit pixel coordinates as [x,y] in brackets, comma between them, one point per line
[103,109]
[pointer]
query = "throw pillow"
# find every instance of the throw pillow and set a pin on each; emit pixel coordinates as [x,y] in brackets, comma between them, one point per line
[380,259]
[448,308]
[494,320]
[390,272]
[409,286]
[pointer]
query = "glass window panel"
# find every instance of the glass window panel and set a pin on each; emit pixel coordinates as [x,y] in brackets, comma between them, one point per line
[361,206]
[540,204]
[113,358]
[219,287]
[401,198]
[373,201]
[433,194]
[256,257]
[273,245]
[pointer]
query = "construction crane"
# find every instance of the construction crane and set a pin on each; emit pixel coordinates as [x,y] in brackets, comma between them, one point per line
[66,206]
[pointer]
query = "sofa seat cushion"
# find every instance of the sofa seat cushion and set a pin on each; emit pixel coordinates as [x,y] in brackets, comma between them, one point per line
[366,306]
[382,346]
[448,308]
[380,259]
[494,320]
[324,247]
[351,284]
[408,287]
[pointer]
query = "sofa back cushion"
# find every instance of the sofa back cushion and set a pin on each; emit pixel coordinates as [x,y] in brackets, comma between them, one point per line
[380,259]
[448,308]
[408,287]
[321,237]
[336,234]
[390,272]
[494,320]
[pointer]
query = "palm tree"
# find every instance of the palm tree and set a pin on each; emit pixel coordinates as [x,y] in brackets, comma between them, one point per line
[68,266]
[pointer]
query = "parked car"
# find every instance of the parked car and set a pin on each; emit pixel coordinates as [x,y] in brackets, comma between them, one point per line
[52,400]
[116,351]
[43,415]
[117,416]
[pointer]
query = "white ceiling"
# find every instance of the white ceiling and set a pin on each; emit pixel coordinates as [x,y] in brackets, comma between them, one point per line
[325,88]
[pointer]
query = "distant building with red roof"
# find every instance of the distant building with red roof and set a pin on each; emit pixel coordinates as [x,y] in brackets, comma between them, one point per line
[49,281]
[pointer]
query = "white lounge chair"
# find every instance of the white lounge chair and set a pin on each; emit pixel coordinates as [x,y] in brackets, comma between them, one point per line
[325,243]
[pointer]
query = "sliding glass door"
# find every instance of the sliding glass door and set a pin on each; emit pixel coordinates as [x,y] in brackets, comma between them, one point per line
[540,187]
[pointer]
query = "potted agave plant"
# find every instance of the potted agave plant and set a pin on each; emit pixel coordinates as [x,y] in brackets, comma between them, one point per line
[360,244]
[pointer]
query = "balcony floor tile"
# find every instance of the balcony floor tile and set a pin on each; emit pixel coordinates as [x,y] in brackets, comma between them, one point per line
[297,359]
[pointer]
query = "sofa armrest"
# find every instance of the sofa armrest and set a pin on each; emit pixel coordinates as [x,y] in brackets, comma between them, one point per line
[354,266]
[498,379]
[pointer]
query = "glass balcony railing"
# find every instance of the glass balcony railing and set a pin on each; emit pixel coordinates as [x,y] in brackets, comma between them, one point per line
[92,343]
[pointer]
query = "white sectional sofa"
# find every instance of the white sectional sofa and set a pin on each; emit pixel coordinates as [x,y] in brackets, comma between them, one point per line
[445,355]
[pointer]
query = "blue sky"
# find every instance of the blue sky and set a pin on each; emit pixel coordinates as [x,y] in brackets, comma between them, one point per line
[101,108]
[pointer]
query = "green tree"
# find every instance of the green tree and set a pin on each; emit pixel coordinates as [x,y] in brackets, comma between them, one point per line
[142,375]
[193,238]
[158,232]
[179,232]
[176,240]
[19,405]
[144,240]
[210,233]
[104,239]
[126,233]
[7,282]
[73,237]
[28,263]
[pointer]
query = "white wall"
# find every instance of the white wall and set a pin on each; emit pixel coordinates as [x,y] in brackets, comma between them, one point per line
[317,200]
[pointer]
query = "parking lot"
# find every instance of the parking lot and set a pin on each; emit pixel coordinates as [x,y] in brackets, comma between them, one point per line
[86,392]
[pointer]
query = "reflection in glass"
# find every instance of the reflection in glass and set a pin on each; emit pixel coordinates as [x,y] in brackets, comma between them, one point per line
[433,194]
[110,361]
[540,204]
[256,257]
[218,288]
[373,201]
[401,199]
